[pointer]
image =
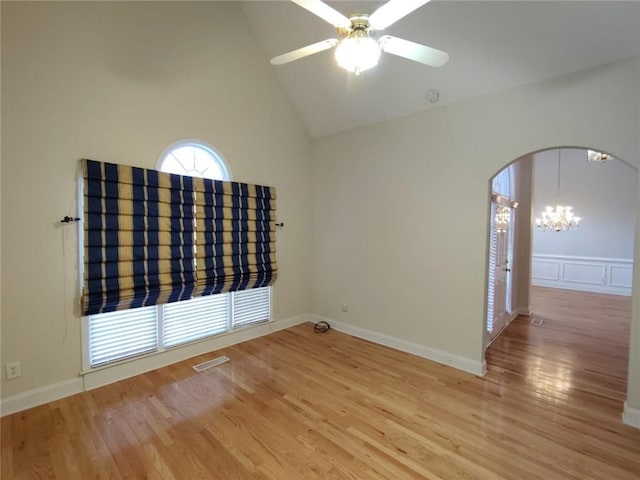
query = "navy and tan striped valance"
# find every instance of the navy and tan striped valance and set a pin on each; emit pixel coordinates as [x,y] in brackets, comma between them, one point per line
[152,237]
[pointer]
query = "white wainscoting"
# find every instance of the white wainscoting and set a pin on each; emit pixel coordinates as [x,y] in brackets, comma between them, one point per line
[587,274]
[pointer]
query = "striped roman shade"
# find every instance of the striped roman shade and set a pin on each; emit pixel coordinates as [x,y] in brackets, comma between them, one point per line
[235,241]
[140,232]
[138,237]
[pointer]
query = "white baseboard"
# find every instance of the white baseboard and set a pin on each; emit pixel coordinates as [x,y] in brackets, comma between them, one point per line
[94,379]
[40,396]
[524,311]
[631,416]
[445,358]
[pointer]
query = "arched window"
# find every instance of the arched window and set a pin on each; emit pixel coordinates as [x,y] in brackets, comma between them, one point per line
[193,158]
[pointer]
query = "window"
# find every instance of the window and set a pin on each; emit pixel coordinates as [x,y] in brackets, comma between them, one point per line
[195,159]
[120,335]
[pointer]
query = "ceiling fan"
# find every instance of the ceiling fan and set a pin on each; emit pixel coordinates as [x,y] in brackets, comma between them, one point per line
[356,49]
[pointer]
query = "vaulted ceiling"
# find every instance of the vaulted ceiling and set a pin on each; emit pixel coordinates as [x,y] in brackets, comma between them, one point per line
[493,46]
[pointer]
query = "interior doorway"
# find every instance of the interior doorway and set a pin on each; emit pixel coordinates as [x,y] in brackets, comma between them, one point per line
[597,257]
[500,310]
[504,226]
[568,269]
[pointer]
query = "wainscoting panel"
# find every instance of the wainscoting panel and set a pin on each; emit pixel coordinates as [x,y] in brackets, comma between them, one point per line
[588,274]
[621,275]
[545,270]
[581,272]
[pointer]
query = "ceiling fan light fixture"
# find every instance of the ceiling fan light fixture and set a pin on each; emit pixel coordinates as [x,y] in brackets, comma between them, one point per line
[358,52]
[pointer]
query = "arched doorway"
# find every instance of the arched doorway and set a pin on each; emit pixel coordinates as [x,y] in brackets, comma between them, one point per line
[596,259]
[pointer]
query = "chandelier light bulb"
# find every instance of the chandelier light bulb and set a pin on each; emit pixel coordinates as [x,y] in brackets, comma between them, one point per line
[358,52]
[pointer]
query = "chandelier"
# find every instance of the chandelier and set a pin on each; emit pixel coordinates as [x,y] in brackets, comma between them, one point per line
[503,215]
[560,218]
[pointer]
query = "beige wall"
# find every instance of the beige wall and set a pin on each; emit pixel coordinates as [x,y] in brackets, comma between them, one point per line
[119,82]
[401,206]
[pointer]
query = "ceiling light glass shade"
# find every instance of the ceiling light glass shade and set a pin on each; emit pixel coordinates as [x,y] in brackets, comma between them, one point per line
[593,156]
[358,52]
[559,219]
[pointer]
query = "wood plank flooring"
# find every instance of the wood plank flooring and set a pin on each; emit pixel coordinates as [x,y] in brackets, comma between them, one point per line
[299,405]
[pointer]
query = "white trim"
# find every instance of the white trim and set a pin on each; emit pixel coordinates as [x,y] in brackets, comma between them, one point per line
[631,416]
[584,259]
[586,274]
[104,376]
[39,396]
[524,311]
[445,358]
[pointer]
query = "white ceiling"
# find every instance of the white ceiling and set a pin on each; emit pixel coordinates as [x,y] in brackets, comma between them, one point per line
[494,45]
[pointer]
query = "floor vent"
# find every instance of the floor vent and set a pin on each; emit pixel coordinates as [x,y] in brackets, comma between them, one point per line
[537,321]
[201,367]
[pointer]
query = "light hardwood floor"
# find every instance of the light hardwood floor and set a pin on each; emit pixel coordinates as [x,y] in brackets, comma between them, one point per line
[299,405]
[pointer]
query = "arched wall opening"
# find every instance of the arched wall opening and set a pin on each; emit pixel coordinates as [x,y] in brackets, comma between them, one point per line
[605,194]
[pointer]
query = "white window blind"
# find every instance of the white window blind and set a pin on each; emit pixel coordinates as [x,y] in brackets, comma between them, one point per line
[116,336]
[123,334]
[251,306]
[195,319]
[493,252]
[511,233]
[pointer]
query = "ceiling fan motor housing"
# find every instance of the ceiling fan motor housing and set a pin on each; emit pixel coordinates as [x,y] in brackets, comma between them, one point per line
[357,51]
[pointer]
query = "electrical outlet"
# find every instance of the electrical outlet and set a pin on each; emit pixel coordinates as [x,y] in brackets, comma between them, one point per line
[13,370]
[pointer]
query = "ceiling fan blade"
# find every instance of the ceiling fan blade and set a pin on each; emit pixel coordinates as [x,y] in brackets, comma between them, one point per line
[304,51]
[325,12]
[392,11]
[413,51]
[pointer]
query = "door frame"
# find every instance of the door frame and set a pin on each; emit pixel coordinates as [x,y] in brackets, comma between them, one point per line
[497,201]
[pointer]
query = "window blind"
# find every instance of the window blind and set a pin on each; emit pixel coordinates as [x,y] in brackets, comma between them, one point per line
[251,306]
[493,246]
[120,335]
[194,319]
